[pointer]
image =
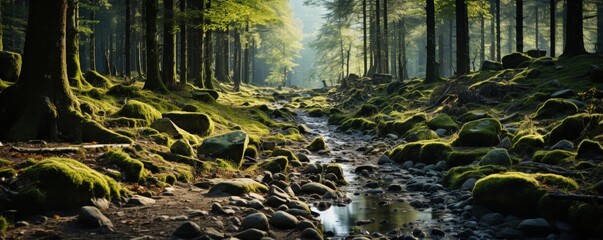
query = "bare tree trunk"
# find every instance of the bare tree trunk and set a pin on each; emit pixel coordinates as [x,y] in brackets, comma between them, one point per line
[74,71]
[462,38]
[574,44]
[1,42]
[553,27]
[536,12]
[208,54]
[441,50]
[169,44]
[519,25]
[92,54]
[599,47]
[237,60]
[498,42]
[431,68]
[153,81]
[364,37]
[183,45]
[492,30]
[246,58]
[385,38]
[378,57]
[482,40]
[128,43]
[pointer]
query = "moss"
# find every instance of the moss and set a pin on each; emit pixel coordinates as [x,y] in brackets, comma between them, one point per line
[182,147]
[64,183]
[400,127]
[556,181]
[497,156]
[10,66]
[433,152]
[3,225]
[165,125]
[124,91]
[443,121]
[456,176]
[284,152]
[140,110]
[126,122]
[197,123]
[317,144]
[338,118]
[510,193]
[275,164]
[358,124]
[554,157]
[161,139]
[367,110]
[251,151]
[316,112]
[528,144]
[6,172]
[590,150]
[464,157]
[480,133]
[474,115]
[420,132]
[4,162]
[191,108]
[556,107]
[97,80]
[572,128]
[184,172]
[406,152]
[94,132]
[133,169]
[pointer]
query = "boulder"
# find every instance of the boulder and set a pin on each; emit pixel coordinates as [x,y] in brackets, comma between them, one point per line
[187,230]
[182,147]
[317,144]
[284,152]
[237,186]
[275,164]
[536,53]
[140,110]
[193,122]
[443,121]
[132,169]
[556,107]
[572,127]
[528,144]
[367,110]
[230,146]
[311,234]
[563,145]
[315,188]
[255,220]
[166,125]
[480,133]
[251,234]
[283,220]
[92,217]
[213,93]
[535,227]
[96,79]
[514,60]
[590,150]
[474,115]
[491,66]
[10,66]
[564,93]
[498,156]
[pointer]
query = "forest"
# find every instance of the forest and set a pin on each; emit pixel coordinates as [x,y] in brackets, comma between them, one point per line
[301,119]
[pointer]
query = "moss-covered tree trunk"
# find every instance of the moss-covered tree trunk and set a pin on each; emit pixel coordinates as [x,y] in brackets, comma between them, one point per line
[74,70]
[574,35]
[183,44]
[153,81]
[40,105]
[169,44]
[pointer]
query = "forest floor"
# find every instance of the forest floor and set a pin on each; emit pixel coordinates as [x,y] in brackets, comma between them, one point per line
[480,156]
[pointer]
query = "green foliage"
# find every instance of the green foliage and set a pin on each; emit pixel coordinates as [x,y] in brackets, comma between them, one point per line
[3,225]
[556,107]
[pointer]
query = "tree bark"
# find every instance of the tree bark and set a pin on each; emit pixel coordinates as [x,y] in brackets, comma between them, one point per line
[1,42]
[237,60]
[74,71]
[246,57]
[536,23]
[183,45]
[153,81]
[462,38]
[128,44]
[364,38]
[553,27]
[519,25]
[599,47]
[482,40]
[403,66]
[208,54]
[92,54]
[378,57]
[498,42]
[493,30]
[169,44]
[431,68]
[574,44]
[385,38]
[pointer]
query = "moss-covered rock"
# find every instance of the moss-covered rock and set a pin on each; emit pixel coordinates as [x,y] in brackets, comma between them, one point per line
[203,97]
[97,80]
[367,110]
[443,121]
[284,152]
[474,115]
[62,183]
[400,127]
[497,156]
[464,157]
[132,169]
[480,133]
[140,110]
[338,118]
[275,164]
[586,217]
[590,150]
[165,125]
[237,186]
[456,176]
[126,122]
[515,60]
[213,93]
[572,127]
[120,90]
[230,146]
[554,157]
[94,132]
[197,123]
[10,66]
[420,132]
[182,147]
[316,112]
[528,144]
[336,169]
[556,107]
[358,124]
[251,151]
[433,152]
[3,225]
[406,152]
[317,144]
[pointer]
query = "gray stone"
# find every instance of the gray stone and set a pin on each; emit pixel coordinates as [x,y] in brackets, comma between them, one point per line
[441,166]
[141,201]
[275,201]
[505,143]
[255,204]
[441,132]
[182,147]
[213,233]
[283,220]
[407,165]
[251,234]
[497,156]
[465,233]
[311,234]
[384,160]
[316,188]
[230,146]
[312,168]
[493,219]
[564,93]
[469,184]
[563,145]
[394,188]
[255,220]
[367,167]
[536,226]
[392,136]
[303,129]
[187,230]
[491,66]
[92,217]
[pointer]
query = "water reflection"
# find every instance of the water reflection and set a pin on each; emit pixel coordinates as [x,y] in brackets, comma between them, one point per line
[342,220]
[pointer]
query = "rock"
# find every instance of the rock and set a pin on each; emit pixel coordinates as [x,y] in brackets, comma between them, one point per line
[493,219]
[303,129]
[97,80]
[556,107]
[441,166]
[230,146]
[599,187]
[304,224]
[394,188]
[384,160]
[506,143]
[491,66]
[335,169]
[438,232]
[590,150]
[213,233]
[392,136]
[312,168]
[283,220]
[572,127]
[315,188]
[255,204]
[563,145]
[317,144]
[193,122]
[187,230]
[182,147]
[564,93]
[497,156]
[92,217]
[480,133]
[237,186]
[441,132]
[367,110]
[203,97]
[443,121]
[275,201]
[274,164]
[251,234]
[10,66]
[407,165]
[311,234]
[366,167]
[469,184]
[528,144]
[141,201]
[596,73]
[536,53]
[139,110]
[268,145]
[166,125]
[514,60]
[466,233]
[303,157]
[255,220]
[534,73]
[536,226]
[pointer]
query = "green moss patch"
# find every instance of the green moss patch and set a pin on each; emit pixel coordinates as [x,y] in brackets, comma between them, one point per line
[400,127]
[443,121]
[316,112]
[358,124]
[455,177]
[528,144]
[132,169]
[428,152]
[554,157]
[480,133]
[590,150]
[556,107]
[572,127]
[367,110]
[140,110]
[317,144]
[284,152]
[275,164]
[464,157]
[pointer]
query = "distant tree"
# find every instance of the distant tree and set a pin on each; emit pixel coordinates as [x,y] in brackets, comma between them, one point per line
[128,43]
[574,35]
[169,44]
[519,25]
[599,47]
[462,37]
[183,44]
[153,81]
[553,26]
[431,74]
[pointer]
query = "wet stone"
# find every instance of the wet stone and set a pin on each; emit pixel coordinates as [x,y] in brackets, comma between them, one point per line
[187,230]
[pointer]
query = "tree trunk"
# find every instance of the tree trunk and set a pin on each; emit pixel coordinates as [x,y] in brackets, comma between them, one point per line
[1,42]
[364,38]
[74,71]
[450,66]
[246,57]
[462,38]
[482,40]
[378,57]
[574,44]
[169,44]
[220,57]
[92,54]
[403,66]
[385,38]
[208,55]
[431,68]
[553,27]
[153,81]
[498,42]
[536,22]
[519,25]
[183,45]
[440,50]
[237,60]
[599,47]
[128,43]
[493,30]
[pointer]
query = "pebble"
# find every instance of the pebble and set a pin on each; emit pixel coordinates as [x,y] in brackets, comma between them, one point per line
[251,234]
[283,220]
[92,217]
[384,160]
[493,219]
[394,188]
[536,226]
[141,201]
[311,233]
[469,184]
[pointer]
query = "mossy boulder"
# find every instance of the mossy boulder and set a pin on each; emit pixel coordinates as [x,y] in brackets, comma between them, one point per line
[465,157]
[316,112]
[400,127]
[213,93]
[480,133]
[556,107]
[497,156]
[406,152]
[94,132]
[230,146]
[590,150]
[62,183]
[554,157]
[474,115]
[317,144]
[251,151]
[443,121]
[203,97]
[182,147]
[428,152]
[132,169]
[367,110]
[140,110]
[420,132]
[572,127]
[237,186]
[10,66]
[197,123]
[515,60]
[284,152]
[275,164]
[528,144]
[165,125]
[335,169]
[511,193]
[456,176]
[121,90]
[358,124]
[97,80]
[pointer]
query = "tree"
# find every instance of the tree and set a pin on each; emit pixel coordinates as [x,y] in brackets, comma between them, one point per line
[574,38]
[169,44]
[364,38]
[553,26]
[462,36]
[519,25]
[599,46]
[153,81]
[40,104]
[127,43]
[74,71]
[431,69]
[183,45]
[1,43]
